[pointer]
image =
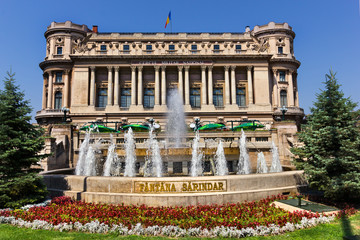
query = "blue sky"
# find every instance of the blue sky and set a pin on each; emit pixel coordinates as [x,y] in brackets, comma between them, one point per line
[327,33]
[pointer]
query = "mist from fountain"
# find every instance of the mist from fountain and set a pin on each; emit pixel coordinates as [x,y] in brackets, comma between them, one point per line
[91,164]
[196,159]
[261,163]
[80,166]
[154,164]
[244,166]
[130,156]
[176,127]
[220,161]
[275,163]
[111,158]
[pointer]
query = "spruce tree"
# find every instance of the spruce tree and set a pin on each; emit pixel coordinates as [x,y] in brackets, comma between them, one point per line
[20,143]
[330,155]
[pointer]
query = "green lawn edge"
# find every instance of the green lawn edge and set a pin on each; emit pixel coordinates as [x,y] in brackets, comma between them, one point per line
[336,230]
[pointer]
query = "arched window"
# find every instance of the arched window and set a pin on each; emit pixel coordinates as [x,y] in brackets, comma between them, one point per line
[240,97]
[58,100]
[283,98]
[102,97]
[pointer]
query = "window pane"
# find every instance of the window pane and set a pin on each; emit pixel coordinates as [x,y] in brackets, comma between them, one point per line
[280,50]
[125,99]
[238,47]
[193,47]
[59,50]
[195,97]
[282,76]
[102,97]
[216,47]
[149,98]
[283,98]
[218,97]
[148,47]
[103,47]
[58,100]
[240,97]
[58,77]
[126,48]
[171,47]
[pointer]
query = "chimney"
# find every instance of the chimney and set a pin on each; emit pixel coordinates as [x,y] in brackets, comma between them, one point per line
[95,29]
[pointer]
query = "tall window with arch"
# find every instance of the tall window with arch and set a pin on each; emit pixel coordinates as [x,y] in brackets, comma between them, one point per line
[283,98]
[58,100]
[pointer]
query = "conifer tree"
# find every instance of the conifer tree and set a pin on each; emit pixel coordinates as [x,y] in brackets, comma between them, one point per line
[20,143]
[330,155]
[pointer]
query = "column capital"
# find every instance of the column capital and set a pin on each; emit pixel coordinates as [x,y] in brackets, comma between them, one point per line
[180,67]
[210,67]
[117,68]
[92,68]
[67,71]
[133,68]
[157,67]
[226,68]
[291,71]
[203,67]
[233,68]
[49,72]
[249,68]
[110,68]
[275,71]
[186,68]
[140,68]
[163,68]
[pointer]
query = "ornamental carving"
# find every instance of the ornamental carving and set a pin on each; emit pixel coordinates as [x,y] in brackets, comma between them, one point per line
[80,44]
[259,45]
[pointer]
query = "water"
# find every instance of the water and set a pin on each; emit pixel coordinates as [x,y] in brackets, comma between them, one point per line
[91,163]
[80,166]
[275,163]
[244,166]
[130,156]
[196,159]
[261,163]
[220,161]
[176,127]
[153,164]
[111,159]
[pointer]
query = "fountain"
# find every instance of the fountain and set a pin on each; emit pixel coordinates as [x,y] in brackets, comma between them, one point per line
[80,166]
[153,164]
[275,163]
[220,160]
[175,127]
[261,163]
[111,159]
[196,159]
[244,160]
[130,157]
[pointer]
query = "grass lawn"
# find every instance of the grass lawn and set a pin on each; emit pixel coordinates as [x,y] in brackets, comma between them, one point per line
[333,231]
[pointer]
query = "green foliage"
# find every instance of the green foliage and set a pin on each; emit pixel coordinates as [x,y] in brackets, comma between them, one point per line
[330,156]
[20,143]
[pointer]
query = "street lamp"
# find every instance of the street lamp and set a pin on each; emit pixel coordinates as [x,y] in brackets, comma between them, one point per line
[65,110]
[283,109]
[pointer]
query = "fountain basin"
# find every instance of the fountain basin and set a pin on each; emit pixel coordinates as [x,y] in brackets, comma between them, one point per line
[175,191]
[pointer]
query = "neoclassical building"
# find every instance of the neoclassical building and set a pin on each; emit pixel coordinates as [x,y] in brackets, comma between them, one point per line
[129,76]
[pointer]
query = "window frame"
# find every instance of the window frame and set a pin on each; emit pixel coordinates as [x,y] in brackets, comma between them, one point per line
[58,100]
[283,98]
[195,99]
[102,98]
[103,47]
[280,50]
[241,98]
[125,97]
[149,98]
[58,77]
[59,50]
[218,98]
[282,76]
[126,46]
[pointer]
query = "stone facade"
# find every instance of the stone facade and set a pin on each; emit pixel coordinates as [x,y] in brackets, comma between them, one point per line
[127,77]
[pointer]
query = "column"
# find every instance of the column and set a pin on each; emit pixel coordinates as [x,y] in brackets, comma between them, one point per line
[50,90]
[163,85]
[250,85]
[66,88]
[291,88]
[180,82]
[203,86]
[116,86]
[275,88]
[52,47]
[233,86]
[110,87]
[157,85]
[92,86]
[297,91]
[43,106]
[187,86]
[227,86]
[140,86]
[210,85]
[133,85]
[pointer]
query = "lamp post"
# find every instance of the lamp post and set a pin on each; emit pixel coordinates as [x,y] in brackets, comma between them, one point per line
[283,109]
[65,110]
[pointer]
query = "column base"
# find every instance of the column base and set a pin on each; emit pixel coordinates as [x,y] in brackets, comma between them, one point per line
[208,108]
[110,108]
[187,107]
[136,108]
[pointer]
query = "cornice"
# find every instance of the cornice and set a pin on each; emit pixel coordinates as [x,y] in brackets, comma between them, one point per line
[274,31]
[48,63]
[286,60]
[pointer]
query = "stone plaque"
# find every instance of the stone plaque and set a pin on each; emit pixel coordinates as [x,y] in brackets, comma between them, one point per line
[158,187]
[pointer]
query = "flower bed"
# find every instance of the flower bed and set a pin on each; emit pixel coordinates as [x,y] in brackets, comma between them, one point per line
[232,220]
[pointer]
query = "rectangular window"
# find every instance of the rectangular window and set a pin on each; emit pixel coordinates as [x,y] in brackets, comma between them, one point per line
[194,47]
[148,47]
[58,77]
[216,48]
[125,99]
[282,76]
[103,48]
[195,97]
[238,48]
[126,48]
[59,50]
[218,97]
[149,98]
[240,97]
[171,47]
[102,97]
[280,50]
[261,139]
